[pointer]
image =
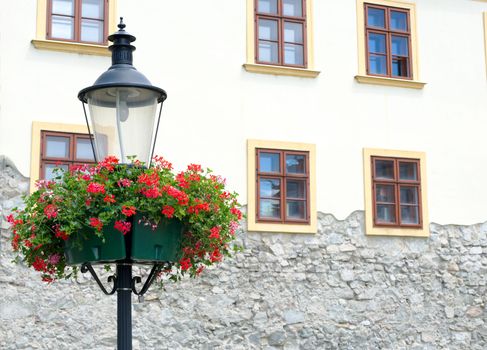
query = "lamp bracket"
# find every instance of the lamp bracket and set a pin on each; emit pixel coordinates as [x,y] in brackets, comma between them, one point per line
[111,279]
[150,279]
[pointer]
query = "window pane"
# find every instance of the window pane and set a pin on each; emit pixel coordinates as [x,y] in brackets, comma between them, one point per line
[296,189]
[292,8]
[386,213]
[270,208]
[269,162]
[400,67]
[293,54]
[408,171]
[267,30]
[92,30]
[409,215]
[385,193]
[377,43]
[399,21]
[376,17]
[57,147]
[84,149]
[400,45]
[384,169]
[377,65]
[267,6]
[268,52]
[63,7]
[293,32]
[50,174]
[409,195]
[295,164]
[270,188]
[295,209]
[62,27]
[92,9]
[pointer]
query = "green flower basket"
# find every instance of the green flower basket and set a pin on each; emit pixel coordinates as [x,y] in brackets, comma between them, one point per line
[158,245]
[86,246]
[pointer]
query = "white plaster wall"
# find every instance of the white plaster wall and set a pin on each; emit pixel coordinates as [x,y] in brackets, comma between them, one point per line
[195,50]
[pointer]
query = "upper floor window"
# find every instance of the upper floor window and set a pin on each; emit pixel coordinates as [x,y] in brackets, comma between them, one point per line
[280,32]
[388,41]
[78,20]
[61,150]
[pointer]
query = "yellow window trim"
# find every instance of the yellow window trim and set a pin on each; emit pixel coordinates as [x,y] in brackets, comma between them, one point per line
[415,82]
[40,41]
[485,40]
[252,225]
[251,66]
[35,153]
[369,213]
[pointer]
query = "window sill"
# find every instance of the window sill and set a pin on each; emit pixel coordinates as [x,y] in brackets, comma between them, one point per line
[64,46]
[395,231]
[369,79]
[283,228]
[281,70]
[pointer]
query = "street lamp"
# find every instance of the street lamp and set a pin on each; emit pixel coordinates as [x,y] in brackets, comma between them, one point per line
[122,104]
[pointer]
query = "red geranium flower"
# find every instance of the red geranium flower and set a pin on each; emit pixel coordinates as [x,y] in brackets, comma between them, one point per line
[128,211]
[96,223]
[168,211]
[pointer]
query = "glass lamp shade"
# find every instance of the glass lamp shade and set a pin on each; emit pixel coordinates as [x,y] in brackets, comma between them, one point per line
[123,122]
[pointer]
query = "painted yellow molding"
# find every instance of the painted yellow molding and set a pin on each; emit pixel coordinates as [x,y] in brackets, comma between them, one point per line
[40,41]
[485,40]
[65,46]
[372,79]
[280,70]
[35,149]
[252,225]
[251,66]
[362,55]
[370,229]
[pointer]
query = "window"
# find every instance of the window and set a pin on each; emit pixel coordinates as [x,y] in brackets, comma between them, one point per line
[61,150]
[281,191]
[77,20]
[282,186]
[56,143]
[395,193]
[279,37]
[388,34]
[387,43]
[79,26]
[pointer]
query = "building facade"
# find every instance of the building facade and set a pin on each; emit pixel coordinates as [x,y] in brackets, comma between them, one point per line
[354,132]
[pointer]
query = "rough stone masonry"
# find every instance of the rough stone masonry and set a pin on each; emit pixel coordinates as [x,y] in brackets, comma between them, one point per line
[337,289]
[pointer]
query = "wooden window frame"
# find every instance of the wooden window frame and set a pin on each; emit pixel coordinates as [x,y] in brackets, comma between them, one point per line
[77,16]
[70,160]
[397,183]
[388,32]
[281,19]
[282,176]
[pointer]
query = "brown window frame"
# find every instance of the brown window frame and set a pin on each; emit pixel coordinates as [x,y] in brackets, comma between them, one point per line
[388,32]
[77,23]
[281,19]
[70,160]
[397,183]
[282,176]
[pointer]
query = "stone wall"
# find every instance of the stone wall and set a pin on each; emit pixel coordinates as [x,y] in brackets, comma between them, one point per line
[337,289]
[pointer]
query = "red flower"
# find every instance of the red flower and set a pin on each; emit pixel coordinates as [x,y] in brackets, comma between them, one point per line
[96,223]
[39,264]
[51,211]
[94,187]
[185,264]
[47,279]
[162,163]
[195,167]
[124,183]
[122,226]
[109,198]
[199,207]
[88,202]
[10,219]
[216,255]
[152,192]
[148,179]
[59,233]
[177,194]
[168,211]
[215,232]
[128,211]
[180,178]
[236,212]
[15,241]
[200,270]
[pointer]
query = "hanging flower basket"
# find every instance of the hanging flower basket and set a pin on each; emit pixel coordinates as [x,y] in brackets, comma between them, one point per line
[112,212]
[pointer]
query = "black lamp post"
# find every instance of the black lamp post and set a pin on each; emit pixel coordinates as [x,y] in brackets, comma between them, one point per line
[122,104]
